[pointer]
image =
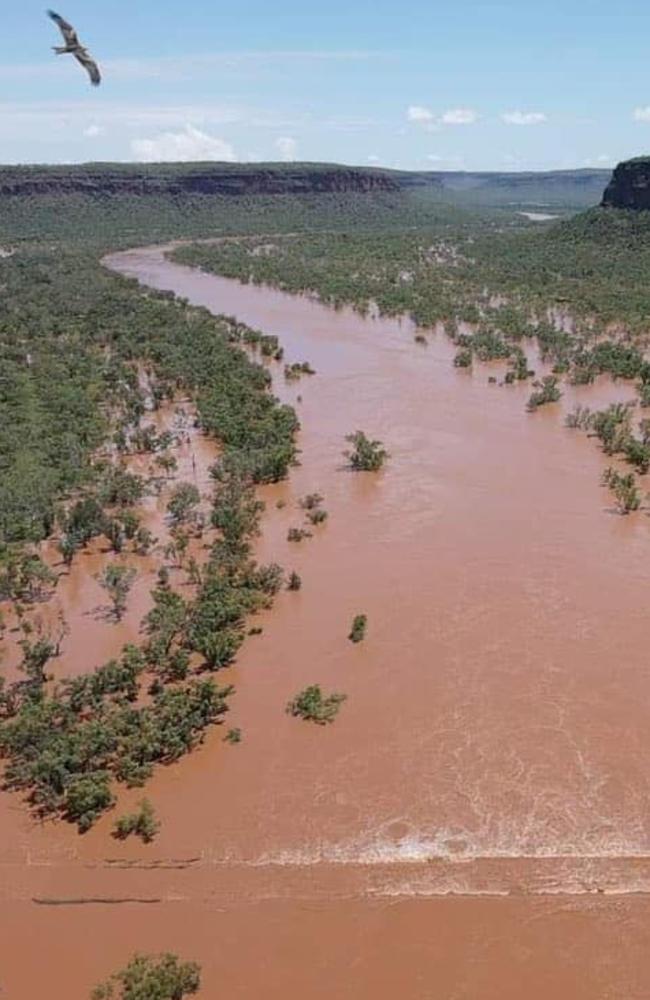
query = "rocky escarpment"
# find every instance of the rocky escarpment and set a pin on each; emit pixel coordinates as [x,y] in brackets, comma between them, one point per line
[630,186]
[203,179]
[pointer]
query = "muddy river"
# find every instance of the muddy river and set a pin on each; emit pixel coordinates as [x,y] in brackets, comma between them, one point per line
[476,824]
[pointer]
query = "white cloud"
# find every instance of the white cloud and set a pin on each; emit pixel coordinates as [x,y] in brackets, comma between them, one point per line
[451,162]
[287,148]
[524,117]
[641,114]
[602,160]
[93,131]
[416,113]
[459,116]
[186,146]
[373,158]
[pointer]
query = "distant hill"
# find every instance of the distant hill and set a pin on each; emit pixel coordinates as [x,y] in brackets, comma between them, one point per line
[106,179]
[558,188]
[120,202]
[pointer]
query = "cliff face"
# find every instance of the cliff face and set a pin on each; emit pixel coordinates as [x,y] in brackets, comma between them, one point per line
[209,179]
[630,186]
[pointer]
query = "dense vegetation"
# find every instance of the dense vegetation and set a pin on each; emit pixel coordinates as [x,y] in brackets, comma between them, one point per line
[85,356]
[578,290]
[503,277]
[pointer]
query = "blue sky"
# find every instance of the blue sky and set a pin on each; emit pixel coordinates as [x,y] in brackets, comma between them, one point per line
[412,84]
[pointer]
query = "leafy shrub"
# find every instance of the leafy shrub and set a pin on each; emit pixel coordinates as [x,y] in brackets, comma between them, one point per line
[366,455]
[624,489]
[142,823]
[297,534]
[313,706]
[152,978]
[547,391]
[359,628]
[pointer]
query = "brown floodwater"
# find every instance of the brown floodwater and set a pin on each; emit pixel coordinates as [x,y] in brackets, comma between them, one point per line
[476,824]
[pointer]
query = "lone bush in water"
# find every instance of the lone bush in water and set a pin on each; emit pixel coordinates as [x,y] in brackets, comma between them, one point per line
[297,534]
[148,977]
[366,455]
[117,581]
[359,628]
[313,706]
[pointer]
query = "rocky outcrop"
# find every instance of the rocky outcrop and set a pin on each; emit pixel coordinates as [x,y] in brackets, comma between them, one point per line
[97,180]
[630,186]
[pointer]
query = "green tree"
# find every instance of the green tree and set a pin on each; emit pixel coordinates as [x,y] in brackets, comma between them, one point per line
[142,823]
[365,455]
[624,489]
[183,502]
[148,977]
[314,706]
[117,580]
[546,391]
[359,628]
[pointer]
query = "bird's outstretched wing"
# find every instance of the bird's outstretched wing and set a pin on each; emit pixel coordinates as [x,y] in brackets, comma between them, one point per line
[68,32]
[90,66]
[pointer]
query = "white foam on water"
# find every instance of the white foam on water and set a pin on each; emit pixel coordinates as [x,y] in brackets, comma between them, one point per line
[447,846]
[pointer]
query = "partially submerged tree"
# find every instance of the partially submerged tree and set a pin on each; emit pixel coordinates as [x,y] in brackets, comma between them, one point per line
[546,391]
[624,489]
[142,823]
[183,503]
[117,580]
[359,628]
[365,455]
[149,977]
[313,706]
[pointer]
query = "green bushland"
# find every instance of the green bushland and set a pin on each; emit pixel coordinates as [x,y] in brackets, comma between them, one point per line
[81,350]
[512,282]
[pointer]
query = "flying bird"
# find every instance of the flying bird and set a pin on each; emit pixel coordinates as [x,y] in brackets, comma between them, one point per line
[74,48]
